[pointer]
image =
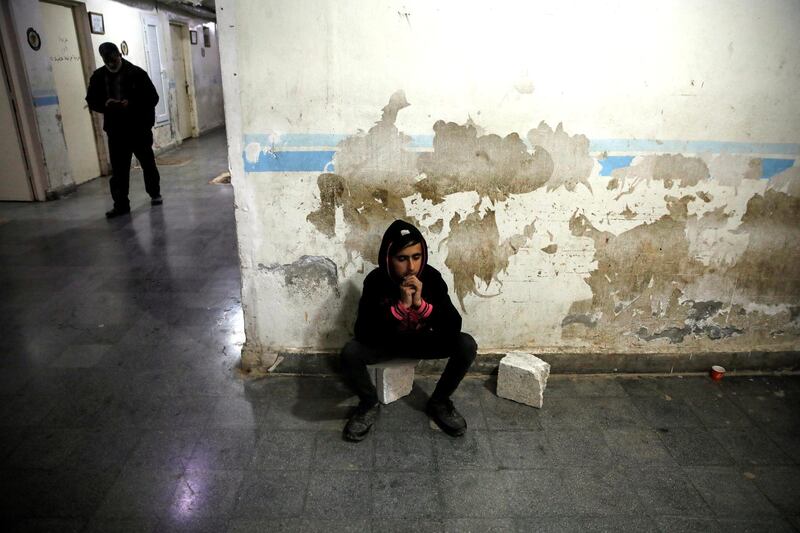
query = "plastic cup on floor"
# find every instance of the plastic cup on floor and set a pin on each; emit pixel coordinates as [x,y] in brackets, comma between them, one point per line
[717,372]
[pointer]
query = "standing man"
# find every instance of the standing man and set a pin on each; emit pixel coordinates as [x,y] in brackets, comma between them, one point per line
[126,97]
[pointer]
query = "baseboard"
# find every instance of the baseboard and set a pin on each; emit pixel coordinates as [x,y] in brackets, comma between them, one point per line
[326,363]
[60,192]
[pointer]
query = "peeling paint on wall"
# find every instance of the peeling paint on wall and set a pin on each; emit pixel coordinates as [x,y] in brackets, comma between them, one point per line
[694,274]
[787,181]
[375,171]
[670,169]
[307,273]
[493,166]
[572,164]
[645,275]
[476,252]
[768,272]
[686,259]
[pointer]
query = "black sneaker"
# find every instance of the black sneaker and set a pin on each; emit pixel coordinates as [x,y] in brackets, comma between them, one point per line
[156,200]
[361,421]
[116,212]
[446,417]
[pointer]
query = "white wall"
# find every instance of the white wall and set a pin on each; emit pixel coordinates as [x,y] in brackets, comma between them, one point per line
[686,247]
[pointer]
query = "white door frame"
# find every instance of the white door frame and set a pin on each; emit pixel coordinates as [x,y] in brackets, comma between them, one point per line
[189,69]
[188,72]
[153,20]
[22,104]
[80,15]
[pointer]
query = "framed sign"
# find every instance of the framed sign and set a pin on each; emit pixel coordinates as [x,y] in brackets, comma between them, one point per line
[193,36]
[206,37]
[96,23]
[34,41]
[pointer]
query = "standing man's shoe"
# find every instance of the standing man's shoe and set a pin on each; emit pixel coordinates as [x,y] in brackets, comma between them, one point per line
[156,200]
[361,421]
[117,212]
[446,417]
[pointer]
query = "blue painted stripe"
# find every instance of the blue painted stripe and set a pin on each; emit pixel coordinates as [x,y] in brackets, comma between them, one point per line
[613,162]
[296,140]
[315,160]
[331,140]
[41,101]
[421,141]
[770,167]
[691,147]
[311,161]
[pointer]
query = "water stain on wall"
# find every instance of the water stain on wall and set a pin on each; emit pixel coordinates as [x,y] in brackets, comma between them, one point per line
[787,181]
[670,169]
[637,286]
[376,170]
[632,265]
[572,164]
[476,252]
[493,166]
[307,273]
[645,287]
[732,170]
[639,289]
[550,248]
[768,271]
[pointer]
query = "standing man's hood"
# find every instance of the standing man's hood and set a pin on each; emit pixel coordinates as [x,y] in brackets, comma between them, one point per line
[397,236]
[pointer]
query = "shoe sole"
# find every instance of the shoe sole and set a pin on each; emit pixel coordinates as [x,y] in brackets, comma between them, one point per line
[354,437]
[447,429]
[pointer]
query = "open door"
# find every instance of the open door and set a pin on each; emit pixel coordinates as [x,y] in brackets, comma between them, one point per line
[155,69]
[178,43]
[15,183]
[60,39]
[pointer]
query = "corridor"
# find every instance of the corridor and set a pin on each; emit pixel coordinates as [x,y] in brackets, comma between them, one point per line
[122,409]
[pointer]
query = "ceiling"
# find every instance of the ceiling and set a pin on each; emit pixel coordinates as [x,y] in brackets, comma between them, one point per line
[204,9]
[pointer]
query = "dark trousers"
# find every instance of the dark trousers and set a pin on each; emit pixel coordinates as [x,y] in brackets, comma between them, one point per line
[121,146]
[460,349]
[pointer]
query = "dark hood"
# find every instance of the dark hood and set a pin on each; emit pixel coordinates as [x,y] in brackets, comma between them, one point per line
[397,236]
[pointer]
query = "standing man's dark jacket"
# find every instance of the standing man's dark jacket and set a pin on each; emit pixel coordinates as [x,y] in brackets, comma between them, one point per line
[379,323]
[130,83]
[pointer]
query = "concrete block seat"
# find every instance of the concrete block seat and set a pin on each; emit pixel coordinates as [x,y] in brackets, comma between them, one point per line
[522,377]
[393,379]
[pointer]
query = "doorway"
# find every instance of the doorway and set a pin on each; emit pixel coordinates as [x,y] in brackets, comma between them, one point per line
[60,40]
[15,184]
[179,40]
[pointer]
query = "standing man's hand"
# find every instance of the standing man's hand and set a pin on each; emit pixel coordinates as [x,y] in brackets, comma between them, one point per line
[412,284]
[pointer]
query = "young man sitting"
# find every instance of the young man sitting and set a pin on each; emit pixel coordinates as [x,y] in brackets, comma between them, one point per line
[405,312]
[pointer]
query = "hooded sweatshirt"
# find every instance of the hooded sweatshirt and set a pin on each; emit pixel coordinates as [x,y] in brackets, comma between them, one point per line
[382,319]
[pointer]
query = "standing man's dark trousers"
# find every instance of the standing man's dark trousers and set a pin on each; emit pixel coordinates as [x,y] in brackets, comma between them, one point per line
[459,348]
[121,146]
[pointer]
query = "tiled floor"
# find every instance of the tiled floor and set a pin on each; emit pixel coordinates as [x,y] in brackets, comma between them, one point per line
[121,409]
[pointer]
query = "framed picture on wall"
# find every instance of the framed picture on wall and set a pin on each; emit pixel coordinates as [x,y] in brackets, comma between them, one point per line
[206,37]
[192,36]
[96,23]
